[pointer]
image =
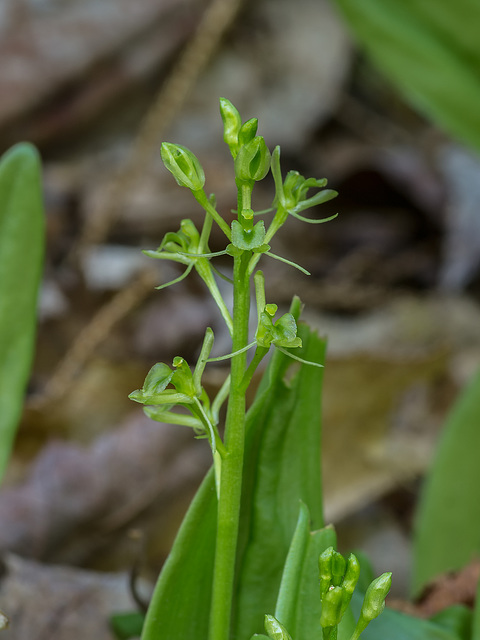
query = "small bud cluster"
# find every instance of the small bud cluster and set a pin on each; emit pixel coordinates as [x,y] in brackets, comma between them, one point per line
[338,579]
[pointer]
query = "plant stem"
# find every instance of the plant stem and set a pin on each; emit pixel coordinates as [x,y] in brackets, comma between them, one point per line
[232,464]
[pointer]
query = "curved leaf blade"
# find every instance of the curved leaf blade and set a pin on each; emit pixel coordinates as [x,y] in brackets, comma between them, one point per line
[22,225]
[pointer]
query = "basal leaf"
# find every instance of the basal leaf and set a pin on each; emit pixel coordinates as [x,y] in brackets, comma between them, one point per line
[22,225]
[180,605]
[431,51]
[282,469]
[448,519]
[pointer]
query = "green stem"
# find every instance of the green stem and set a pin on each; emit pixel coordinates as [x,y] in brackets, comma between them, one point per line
[201,197]
[260,353]
[232,464]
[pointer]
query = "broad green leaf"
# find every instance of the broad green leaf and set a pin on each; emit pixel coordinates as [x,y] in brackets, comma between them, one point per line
[448,518]
[22,225]
[282,469]
[431,51]
[180,605]
[399,626]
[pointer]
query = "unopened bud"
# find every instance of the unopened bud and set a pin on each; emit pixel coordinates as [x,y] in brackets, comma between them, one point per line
[247,131]
[275,629]
[231,124]
[184,166]
[253,160]
[331,607]
[374,601]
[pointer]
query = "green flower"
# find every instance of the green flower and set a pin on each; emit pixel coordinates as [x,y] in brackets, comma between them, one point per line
[184,166]
[253,160]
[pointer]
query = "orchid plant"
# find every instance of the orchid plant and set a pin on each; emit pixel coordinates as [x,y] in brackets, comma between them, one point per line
[168,388]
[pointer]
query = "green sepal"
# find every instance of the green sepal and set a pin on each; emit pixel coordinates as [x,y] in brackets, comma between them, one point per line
[247,131]
[158,379]
[319,198]
[182,378]
[350,580]
[282,333]
[253,161]
[248,240]
[325,569]
[163,398]
[231,125]
[183,165]
[338,568]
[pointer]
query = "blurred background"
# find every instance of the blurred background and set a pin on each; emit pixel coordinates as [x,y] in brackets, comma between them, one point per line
[382,101]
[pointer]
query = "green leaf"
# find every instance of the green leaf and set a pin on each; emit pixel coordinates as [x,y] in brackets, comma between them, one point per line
[22,228]
[282,468]
[448,519]
[431,51]
[158,379]
[298,604]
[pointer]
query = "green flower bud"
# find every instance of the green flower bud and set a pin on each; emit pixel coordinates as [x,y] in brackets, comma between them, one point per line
[184,166]
[352,574]
[325,570]
[338,568]
[282,333]
[182,378]
[275,629]
[231,124]
[248,131]
[331,607]
[374,601]
[253,160]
